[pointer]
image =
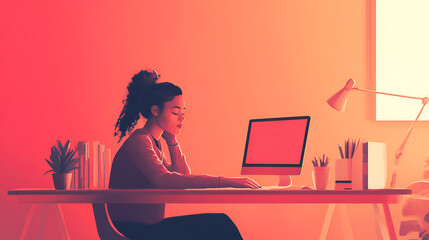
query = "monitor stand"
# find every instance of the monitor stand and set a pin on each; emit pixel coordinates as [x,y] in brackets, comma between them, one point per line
[285,181]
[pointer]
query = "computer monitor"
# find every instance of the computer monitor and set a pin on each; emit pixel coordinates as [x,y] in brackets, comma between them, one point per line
[276,146]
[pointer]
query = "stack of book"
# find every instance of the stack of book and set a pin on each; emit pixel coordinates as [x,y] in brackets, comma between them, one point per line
[365,168]
[369,166]
[94,166]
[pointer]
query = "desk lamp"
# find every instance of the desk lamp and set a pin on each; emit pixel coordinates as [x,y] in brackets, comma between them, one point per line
[339,100]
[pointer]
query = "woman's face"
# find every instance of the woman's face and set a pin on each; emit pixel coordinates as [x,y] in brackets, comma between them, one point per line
[172,116]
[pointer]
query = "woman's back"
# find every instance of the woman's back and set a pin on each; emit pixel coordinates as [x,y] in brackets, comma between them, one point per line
[125,174]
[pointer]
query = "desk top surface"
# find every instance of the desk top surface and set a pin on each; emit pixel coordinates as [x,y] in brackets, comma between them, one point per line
[209,195]
[214,191]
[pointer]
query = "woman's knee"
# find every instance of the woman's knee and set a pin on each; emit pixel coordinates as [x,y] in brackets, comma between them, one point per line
[224,220]
[228,226]
[222,216]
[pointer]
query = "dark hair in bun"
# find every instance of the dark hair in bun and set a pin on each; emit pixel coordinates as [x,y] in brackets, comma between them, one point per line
[143,93]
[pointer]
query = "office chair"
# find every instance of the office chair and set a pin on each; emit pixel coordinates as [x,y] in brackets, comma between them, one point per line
[105,228]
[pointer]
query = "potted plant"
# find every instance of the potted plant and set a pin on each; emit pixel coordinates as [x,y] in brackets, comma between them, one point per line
[320,172]
[62,162]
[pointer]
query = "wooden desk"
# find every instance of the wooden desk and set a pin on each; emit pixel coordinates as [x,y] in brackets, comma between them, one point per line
[223,195]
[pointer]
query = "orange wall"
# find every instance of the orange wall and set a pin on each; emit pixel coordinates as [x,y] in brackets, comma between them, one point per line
[64,67]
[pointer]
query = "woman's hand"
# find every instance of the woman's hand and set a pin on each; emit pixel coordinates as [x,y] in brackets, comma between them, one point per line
[169,138]
[239,182]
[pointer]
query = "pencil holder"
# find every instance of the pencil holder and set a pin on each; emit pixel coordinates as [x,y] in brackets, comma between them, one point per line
[343,174]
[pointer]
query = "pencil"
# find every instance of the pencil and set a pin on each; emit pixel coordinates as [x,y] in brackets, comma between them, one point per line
[347,148]
[341,151]
[358,143]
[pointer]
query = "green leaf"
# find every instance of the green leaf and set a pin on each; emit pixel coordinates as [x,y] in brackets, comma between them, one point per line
[67,145]
[66,148]
[69,155]
[48,171]
[60,147]
[50,163]
[74,162]
[66,166]
[70,166]
[54,156]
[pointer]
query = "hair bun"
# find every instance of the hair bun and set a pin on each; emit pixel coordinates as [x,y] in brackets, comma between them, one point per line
[140,86]
[144,79]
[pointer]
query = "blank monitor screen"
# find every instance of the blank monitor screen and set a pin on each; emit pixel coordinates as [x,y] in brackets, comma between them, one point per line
[278,143]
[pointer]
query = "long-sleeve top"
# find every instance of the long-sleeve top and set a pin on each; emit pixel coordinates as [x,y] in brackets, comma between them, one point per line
[139,164]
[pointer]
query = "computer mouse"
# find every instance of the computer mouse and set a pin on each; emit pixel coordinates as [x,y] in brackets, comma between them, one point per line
[306,187]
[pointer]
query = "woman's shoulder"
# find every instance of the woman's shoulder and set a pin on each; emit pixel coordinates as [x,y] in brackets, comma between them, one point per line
[139,136]
[135,142]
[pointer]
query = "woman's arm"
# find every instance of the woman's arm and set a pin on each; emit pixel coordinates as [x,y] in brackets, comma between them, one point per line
[145,159]
[178,160]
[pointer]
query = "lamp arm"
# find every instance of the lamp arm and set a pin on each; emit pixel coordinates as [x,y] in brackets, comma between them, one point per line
[390,94]
[399,151]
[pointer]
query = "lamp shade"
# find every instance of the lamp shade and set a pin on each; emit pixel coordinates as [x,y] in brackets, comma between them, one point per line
[339,100]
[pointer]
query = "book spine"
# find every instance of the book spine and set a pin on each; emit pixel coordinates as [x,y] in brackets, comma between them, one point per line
[76,183]
[93,164]
[72,180]
[108,158]
[365,166]
[86,173]
[80,151]
[86,166]
[80,172]
[357,169]
[75,176]
[101,163]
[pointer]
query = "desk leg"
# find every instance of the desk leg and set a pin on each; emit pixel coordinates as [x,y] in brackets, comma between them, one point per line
[42,224]
[345,222]
[389,221]
[327,222]
[388,233]
[27,222]
[60,221]
[380,223]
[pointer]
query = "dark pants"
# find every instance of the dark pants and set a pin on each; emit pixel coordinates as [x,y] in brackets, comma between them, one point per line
[208,226]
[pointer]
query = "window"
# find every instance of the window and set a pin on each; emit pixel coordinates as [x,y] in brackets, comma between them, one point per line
[401,57]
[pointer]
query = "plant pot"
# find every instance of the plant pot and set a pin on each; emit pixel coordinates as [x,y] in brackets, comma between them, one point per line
[62,181]
[320,177]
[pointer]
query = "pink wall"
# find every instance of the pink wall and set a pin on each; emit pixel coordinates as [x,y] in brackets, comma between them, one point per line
[64,67]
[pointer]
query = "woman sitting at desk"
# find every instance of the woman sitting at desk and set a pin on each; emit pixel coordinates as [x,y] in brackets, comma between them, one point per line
[141,164]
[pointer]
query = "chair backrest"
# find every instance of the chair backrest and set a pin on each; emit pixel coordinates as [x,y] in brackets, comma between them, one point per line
[105,228]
